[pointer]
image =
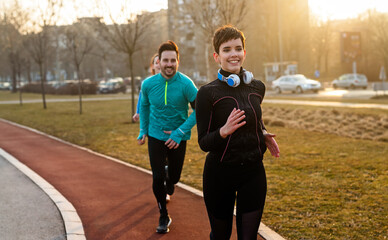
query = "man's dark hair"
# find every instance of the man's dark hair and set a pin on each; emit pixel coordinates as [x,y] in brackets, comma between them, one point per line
[226,33]
[168,46]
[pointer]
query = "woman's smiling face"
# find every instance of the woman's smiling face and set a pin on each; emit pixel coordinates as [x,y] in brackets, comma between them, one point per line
[231,55]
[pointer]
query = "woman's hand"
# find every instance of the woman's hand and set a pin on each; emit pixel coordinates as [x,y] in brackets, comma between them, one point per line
[136,117]
[271,144]
[233,122]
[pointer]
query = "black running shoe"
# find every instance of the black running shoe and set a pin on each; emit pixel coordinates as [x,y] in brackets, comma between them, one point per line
[164,223]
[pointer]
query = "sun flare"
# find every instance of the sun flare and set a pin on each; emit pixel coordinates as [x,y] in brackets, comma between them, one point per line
[324,9]
[342,9]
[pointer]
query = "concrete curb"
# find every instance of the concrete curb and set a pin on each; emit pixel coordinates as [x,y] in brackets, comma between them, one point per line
[264,231]
[73,225]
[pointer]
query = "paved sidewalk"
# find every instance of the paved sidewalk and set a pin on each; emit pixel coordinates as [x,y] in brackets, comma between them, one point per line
[328,104]
[114,200]
[26,212]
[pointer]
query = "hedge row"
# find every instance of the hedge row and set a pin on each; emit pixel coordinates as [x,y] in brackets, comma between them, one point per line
[64,89]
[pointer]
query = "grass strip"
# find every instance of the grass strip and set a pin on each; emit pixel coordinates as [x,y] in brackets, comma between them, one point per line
[323,186]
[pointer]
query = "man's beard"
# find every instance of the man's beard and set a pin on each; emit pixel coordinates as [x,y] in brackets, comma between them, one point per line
[171,74]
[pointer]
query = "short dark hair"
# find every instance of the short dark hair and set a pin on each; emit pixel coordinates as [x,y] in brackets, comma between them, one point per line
[168,46]
[226,33]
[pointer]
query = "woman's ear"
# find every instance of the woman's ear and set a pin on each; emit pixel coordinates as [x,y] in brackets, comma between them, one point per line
[216,57]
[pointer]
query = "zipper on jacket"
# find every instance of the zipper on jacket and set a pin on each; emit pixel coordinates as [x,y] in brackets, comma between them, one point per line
[165,94]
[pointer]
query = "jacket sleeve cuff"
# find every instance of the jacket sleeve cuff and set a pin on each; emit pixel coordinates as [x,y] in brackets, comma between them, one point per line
[177,135]
[141,134]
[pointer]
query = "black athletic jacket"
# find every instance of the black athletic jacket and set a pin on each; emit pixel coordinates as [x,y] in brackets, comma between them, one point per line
[215,101]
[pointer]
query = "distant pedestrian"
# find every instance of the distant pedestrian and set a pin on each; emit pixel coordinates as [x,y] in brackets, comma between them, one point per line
[164,119]
[230,128]
[155,69]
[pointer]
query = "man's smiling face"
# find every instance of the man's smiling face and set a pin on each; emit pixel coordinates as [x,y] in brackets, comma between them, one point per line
[168,64]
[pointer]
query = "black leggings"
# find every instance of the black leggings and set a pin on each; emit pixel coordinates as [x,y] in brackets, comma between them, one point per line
[160,155]
[222,186]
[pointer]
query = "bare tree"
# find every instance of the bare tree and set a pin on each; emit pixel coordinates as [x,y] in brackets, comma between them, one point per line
[321,41]
[78,42]
[378,34]
[12,40]
[101,52]
[211,14]
[126,38]
[294,28]
[38,41]
[14,22]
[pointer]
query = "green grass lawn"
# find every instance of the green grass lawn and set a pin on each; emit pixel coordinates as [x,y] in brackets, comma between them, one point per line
[322,187]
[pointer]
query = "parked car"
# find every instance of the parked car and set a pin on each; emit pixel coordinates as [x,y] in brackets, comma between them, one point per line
[295,83]
[351,80]
[5,86]
[114,85]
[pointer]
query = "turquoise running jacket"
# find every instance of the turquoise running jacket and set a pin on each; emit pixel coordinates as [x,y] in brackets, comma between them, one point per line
[164,106]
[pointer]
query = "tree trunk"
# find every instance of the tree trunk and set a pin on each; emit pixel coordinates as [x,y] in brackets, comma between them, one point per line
[29,72]
[14,79]
[79,89]
[132,86]
[318,62]
[327,63]
[208,68]
[42,82]
[386,72]
[20,86]
[104,67]
[20,96]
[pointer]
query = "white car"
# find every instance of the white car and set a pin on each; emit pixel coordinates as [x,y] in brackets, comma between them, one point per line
[295,83]
[5,86]
[351,80]
[114,85]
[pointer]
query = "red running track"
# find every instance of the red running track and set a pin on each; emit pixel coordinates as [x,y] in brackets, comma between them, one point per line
[113,200]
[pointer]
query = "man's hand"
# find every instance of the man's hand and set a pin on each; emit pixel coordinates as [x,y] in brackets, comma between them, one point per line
[142,140]
[171,144]
[271,144]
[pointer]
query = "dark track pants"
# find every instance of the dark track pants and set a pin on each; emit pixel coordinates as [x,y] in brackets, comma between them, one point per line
[223,186]
[160,155]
